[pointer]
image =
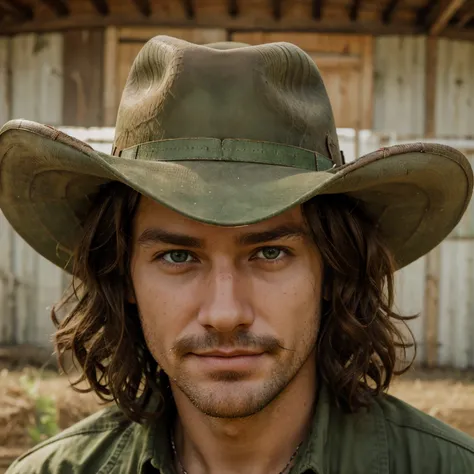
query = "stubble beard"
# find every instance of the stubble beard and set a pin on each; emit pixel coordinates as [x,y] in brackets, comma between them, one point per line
[232,395]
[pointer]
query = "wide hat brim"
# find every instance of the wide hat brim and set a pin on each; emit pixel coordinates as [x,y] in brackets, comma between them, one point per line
[415,193]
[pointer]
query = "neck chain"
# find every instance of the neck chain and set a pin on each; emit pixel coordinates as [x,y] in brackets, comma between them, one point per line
[183,471]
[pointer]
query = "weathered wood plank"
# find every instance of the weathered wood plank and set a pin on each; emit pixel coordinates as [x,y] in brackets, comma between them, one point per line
[445,16]
[367,86]
[194,35]
[5,91]
[6,280]
[431,306]
[25,269]
[24,81]
[409,291]
[399,85]
[455,326]
[49,291]
[83,78]
[37,78]
[431,82]
[454,104]
[110,77]
[49,60]
[465,229]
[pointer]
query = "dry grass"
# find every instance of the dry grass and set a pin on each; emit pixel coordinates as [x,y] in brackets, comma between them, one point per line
[444,394]
[17,409]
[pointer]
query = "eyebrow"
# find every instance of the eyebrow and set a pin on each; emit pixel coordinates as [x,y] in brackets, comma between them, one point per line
[277,233]
[155,235]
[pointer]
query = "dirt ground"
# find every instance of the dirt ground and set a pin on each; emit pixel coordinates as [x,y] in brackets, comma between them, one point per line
[447,395]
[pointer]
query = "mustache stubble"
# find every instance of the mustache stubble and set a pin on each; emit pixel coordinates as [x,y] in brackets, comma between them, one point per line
[214,341]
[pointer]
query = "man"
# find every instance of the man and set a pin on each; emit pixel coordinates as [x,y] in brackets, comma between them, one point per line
[234,277]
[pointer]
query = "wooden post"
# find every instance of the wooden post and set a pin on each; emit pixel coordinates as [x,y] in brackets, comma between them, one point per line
[110,76]
[430,84]
[433,259]
[367,89]
[432,277]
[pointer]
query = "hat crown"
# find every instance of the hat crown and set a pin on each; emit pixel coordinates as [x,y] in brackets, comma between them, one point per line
[272,93]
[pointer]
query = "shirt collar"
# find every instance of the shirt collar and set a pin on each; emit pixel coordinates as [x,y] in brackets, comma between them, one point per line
[359,440]
[344,442]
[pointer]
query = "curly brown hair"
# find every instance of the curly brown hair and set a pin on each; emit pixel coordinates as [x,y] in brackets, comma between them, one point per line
[360,340]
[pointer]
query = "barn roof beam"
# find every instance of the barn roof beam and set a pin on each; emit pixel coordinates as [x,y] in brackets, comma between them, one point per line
[426,15]
[316,9]
[354,9]
[17,8]
[389,10]
[143,7]
[276,9]
[465,19]
[60,7]
[445,16]
[233,8]
[189,8]
[101,6]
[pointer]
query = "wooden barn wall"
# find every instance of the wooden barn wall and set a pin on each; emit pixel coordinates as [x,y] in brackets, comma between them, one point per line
[399,85]
[400,69]
[37,77]
[455,87]
[53,78]
[439,287]
[83,78]
[5,45]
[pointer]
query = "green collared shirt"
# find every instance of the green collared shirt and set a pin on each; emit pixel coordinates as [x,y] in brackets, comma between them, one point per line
[389,438]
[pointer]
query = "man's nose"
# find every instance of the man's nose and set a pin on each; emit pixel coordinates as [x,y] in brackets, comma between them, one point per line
[225,305]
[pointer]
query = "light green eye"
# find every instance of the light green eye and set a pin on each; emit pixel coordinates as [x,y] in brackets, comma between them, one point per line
[177,256]
[271,253]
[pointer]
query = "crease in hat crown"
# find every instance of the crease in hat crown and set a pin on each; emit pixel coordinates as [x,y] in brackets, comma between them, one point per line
[270,93]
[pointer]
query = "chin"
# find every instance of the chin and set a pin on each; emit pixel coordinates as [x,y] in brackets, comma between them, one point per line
[226,399]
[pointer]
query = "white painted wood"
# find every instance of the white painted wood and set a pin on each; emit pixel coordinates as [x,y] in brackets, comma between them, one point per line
[37,77]
[465,228]
[49,292]
[399,89]
[4,93]
[6,234]
[382,82]
[25,266]
[50,65]
[409,300]
[455,87]
[455,335]
[23,78]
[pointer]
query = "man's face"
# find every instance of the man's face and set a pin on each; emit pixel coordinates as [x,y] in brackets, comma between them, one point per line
[231,314]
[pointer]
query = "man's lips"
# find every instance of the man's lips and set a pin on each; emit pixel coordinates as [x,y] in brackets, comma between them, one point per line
[228,353]
[227,360]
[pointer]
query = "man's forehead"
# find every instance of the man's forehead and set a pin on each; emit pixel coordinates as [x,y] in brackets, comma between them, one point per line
[153,214]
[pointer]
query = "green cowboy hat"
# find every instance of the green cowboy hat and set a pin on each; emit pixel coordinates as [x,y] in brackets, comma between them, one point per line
[226,134]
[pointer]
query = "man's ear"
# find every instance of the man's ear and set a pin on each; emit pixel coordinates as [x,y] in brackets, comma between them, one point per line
[131,297]
[130,292]
[326,293]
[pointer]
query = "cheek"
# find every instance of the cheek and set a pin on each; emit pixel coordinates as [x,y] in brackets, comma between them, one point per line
[161,310]
[293,306]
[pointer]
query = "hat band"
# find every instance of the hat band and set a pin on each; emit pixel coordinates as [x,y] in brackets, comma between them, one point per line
[214,149]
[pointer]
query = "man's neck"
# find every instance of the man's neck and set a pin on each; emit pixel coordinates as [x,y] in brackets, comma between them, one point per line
[259,444]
